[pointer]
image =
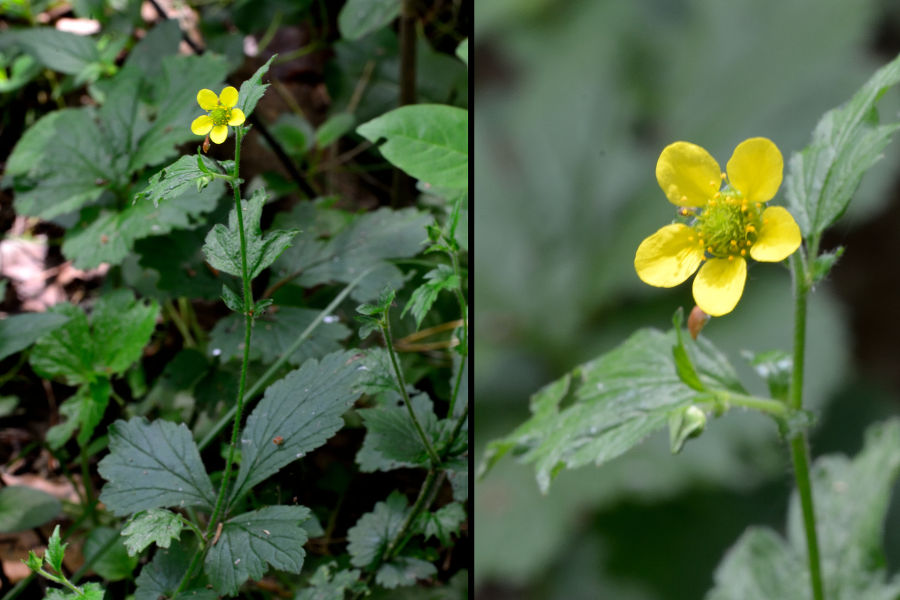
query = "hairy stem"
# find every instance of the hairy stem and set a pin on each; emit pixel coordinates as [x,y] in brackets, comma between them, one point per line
[799,446]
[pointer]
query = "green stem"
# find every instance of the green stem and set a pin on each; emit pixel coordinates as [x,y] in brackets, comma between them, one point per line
[179,324]
[264,380]
[389,342]
[248,326]
[775,408]
[799,446]
[464,342]
[187,574]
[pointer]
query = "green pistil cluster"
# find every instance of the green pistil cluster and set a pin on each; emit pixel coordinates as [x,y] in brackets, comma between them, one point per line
[220,116]
[728,225]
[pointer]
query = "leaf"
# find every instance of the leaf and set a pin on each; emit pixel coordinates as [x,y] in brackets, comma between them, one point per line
[327,585]
[111,237]
[182,176]
[333,128]
[403,570]
[114,564]
[368,539]
[178,260]
[162,576]
[162,40]
[88,591]
[121,326]
[360,17]
[851,503]
[17,332]
[273,335]
[775,367]
[304,409]
[846,143]
[423,297]
[617,400]
[153,465]
[93,399]
[155,526]
[365,241]
[443,522]
[462,51]
[67,351]
[253,89]
[56,551]
[392,441]
[223,245]
[23,508]
[428,141]
[58,50]
[252,542]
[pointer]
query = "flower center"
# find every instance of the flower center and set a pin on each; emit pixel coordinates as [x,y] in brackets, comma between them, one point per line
[220,115]
[728,226]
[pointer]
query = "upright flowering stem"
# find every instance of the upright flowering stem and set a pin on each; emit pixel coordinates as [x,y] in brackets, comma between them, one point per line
[799,446]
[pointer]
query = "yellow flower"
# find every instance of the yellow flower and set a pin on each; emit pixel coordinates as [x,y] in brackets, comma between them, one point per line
[222,113]
[728,221]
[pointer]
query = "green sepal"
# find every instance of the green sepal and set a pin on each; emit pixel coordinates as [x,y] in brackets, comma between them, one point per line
[685,424]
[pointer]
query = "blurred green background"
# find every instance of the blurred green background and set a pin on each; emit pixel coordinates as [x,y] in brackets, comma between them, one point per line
[574,100]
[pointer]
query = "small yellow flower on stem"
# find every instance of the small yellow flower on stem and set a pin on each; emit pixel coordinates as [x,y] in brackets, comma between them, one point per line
[729,218]
[221,113]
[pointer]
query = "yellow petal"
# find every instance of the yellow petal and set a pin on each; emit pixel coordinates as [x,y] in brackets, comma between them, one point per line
[719,285]
[201,125]
[687,174]
[669,256]
[756,168]
[778,238]
[219,133]
[207,99]
[237,117]
[229,97]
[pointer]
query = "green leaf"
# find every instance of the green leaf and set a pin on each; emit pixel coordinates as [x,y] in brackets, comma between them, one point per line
[93,399]
[403,570]
[56,551]
[775,367]
[110,238]
[155,526]
[153,465]
[252,542]
[273,335]
[121,328]
[360,17]
[367,540]
[423,297]
[304,409]
[17,332]
[23,508]
[428,141]
[365,241]
[392,441]
[180,264]
[846,143]
[22,69]
[328,584]
[617,400]
[88,591]
[223,245]
[67,351]
[58,50]
[333,128]
[115,563]
[852,499]
[253,89]
[821,266]
[182,176]
[443,523]
[162,40]
[462,51]
[162,576]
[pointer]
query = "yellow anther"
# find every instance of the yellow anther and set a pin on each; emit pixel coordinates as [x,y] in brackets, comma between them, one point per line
[709,249]
[734,242]
[730,257]
[723,176]
[716,195]
[743,252]
[684,199]
[690,238]
[750,228]
[758,206]
[748,243]
[712,202]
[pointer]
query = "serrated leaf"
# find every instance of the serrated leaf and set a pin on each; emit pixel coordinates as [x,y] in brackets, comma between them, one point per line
[443,522]
[423,297]
[846,143]
[403,570]
[223,245]
[93,399]
[253,542]
[759,565]
[253,89]
[17,332]
[88,591]
[175,180]
[360,17]
[67,351]
[775,367]
[365,241]
[155,526]
[428,141]
[618,399]
[153,465]
[162,576]
[22,508]
[121,326]
[274,333]
[327,585]
[180,264]
[392,441]
[104,549]
[58,50]
[304,409]
[56,551]
[368,539]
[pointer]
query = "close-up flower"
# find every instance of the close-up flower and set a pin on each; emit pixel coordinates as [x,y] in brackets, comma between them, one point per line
[221,113]
[727,221]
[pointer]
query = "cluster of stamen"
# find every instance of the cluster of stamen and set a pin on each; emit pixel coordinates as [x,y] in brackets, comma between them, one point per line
[728,225]
[220,115]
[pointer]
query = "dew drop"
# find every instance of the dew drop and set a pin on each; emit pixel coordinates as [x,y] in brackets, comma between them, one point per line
[362,368]
[216,351]
[237,561]
[299,455]
[331,319]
